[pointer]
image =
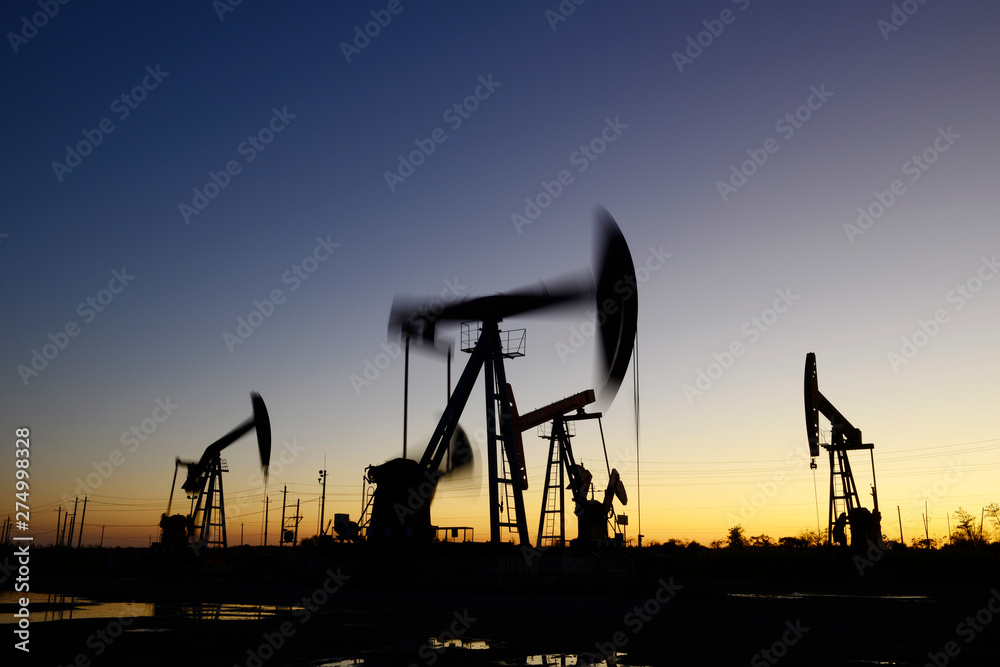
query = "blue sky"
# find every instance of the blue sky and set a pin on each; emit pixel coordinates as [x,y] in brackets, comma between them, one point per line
[839,110]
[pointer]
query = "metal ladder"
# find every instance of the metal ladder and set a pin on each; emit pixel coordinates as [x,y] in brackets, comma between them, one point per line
[210,512]
[507,503]
[843,491]
[553,495]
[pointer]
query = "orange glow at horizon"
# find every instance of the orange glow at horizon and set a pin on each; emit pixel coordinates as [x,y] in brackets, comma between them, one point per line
[699,499]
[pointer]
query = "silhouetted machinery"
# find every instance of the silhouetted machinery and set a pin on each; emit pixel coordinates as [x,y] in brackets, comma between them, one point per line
[593,516]
[400,505]
[205,526]
[845,507]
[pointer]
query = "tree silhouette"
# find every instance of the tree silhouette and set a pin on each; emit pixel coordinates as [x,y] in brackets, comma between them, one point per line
[736,537]
[965,529]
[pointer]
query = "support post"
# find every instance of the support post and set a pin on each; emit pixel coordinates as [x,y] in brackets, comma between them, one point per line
[498,396]
[491,450]
[297,517]
[79,538]
[322,502]
[72,523]
[406,387]
[267,506]
[927,529]
[874,480]
[281,533]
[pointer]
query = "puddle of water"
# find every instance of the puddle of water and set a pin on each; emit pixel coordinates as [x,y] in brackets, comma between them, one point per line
[567,659]
[58,607]
[472,644]
[150,630]
[220,611]
[543,660]
[799,596]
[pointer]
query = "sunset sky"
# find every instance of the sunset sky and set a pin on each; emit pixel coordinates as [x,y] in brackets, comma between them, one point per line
[793,177]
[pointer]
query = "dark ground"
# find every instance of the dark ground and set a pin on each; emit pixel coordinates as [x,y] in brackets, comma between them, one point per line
[724,608]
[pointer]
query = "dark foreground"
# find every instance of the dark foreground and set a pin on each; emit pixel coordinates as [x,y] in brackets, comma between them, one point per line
[516,608]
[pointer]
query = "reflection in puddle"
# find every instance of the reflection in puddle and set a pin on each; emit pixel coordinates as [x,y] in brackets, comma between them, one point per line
[566,659]
[472,644]
[799,596]
[217,611]
[59,607]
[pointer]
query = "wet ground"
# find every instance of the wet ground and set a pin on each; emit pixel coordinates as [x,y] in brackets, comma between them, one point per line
[328,617]
[699,624]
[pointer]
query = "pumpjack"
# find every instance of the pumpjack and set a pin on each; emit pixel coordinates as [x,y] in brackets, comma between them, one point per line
[205,526]
[592,515]
[400,503]
[845,506]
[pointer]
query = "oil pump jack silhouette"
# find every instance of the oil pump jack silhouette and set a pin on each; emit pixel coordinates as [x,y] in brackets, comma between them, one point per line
[400,504]
[845,506]
[205,526]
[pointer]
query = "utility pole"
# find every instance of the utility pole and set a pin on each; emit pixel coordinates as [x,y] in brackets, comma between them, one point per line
[58,523]
[102,536]
[281,533]
[79,538]
[72,523]
[900,515]
[322,502]
[927,534]
[297,518]
[241,533]
[267,505]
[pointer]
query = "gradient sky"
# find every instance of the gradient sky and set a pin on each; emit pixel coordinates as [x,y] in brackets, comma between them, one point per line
[914,103]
